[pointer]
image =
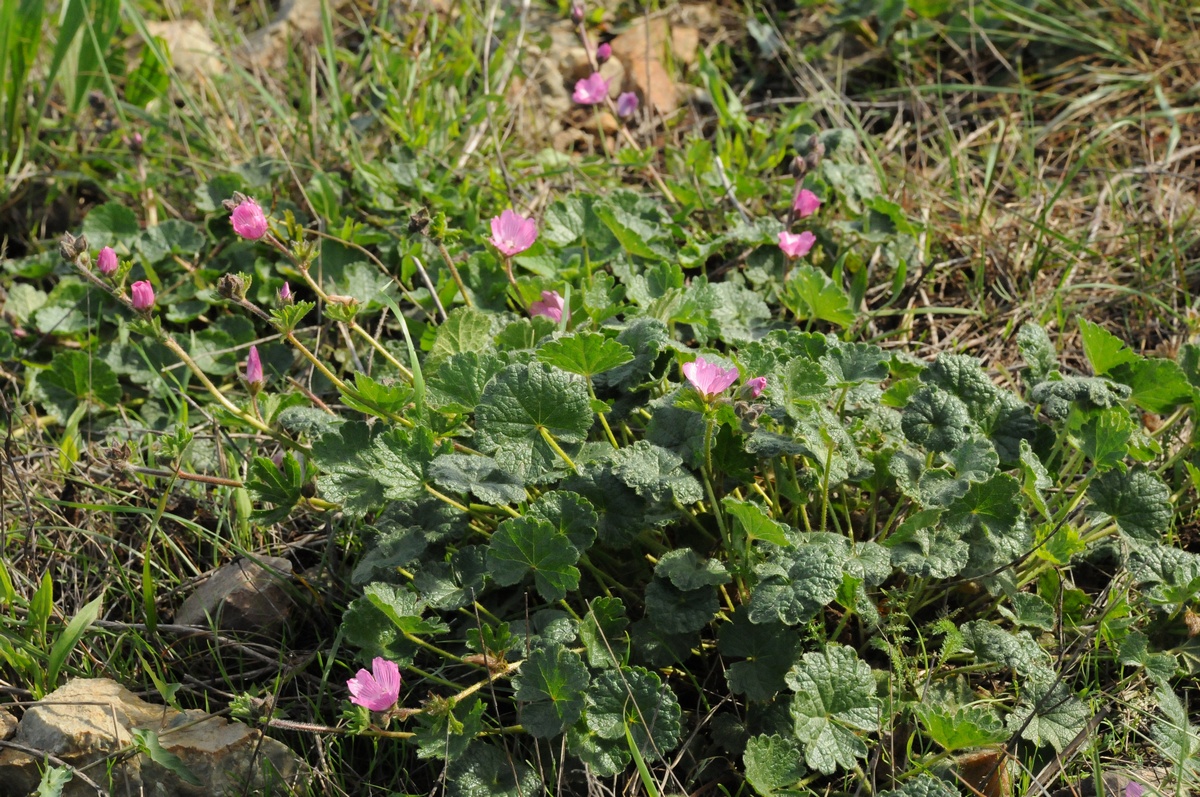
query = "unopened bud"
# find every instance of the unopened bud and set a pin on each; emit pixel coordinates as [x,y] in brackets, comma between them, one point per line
[232,203]
[232,286]
[577,12]
[418,222]
[799,167]
[816,151]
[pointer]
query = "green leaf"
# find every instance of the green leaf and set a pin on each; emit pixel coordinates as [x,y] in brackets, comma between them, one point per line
[636,699]
[923,548]
[519,404]
[362,468]
[656,473]
[550,685]
[853,363]
[923,785]
[964,378]
[773,766]
[75,376]
[288,317]
[796,583]
[477,475]
[687,570]
[975,460]
[488,771]
[1040,357]
[1136,499]
[990,509]
[147,743]
[603,633]
[1057,397]
[466,329]
[1103,435]
[769,651]
[584,353]
[281,485]
[1035,479]
[1019,652]
[373,397]
[961,728]
[640,233]
[678,611]
[1030,609]
[810,293]
[834,700]
[458,383]
[525,544]
[570,513]
[755,522]
[404,609]
[935,419]
[53,781]
[1157,385]
[1049,713]
[647,338]
[1104,350]
[1176,738]
[106,224]
[69,638]
[447,730]
[803,380]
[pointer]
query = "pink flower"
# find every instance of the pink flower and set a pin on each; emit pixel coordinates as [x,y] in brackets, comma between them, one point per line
[512,233]
[248,220]
[106,261]
[796,245]
[254,371]
[806,203]
[285,293]
[592,90]
[1134,789]
[627,105]
[550,306]
[142,295]
[379,689]
[603,53]
[708,378]
[755,386]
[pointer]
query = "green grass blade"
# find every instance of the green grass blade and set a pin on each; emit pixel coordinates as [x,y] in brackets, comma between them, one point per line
[69,638]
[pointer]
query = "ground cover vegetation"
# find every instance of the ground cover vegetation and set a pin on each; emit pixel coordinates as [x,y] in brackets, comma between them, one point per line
[830,434]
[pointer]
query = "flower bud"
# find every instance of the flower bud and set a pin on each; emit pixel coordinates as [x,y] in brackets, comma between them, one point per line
[799,167]
[248,220]
[285,294]
[142,295]
[254,370]
[577,12]
[603,53]
[106,261]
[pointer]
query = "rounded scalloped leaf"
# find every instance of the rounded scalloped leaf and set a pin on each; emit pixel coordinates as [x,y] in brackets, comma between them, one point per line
[634,698]
[521,405]
[835,698]
[936,420]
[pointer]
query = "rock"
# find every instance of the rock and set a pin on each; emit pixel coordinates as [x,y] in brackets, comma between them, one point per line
[90,719]
[8,725]
[193,52]
[296,20]
[643,48]
[246,595]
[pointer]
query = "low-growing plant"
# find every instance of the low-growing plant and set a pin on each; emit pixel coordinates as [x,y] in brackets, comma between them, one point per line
[649,523]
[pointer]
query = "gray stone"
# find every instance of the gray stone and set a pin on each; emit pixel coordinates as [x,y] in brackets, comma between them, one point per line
[90,719]
[243,596]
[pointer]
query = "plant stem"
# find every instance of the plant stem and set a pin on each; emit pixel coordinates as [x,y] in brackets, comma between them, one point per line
[441,247]
[550,441]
